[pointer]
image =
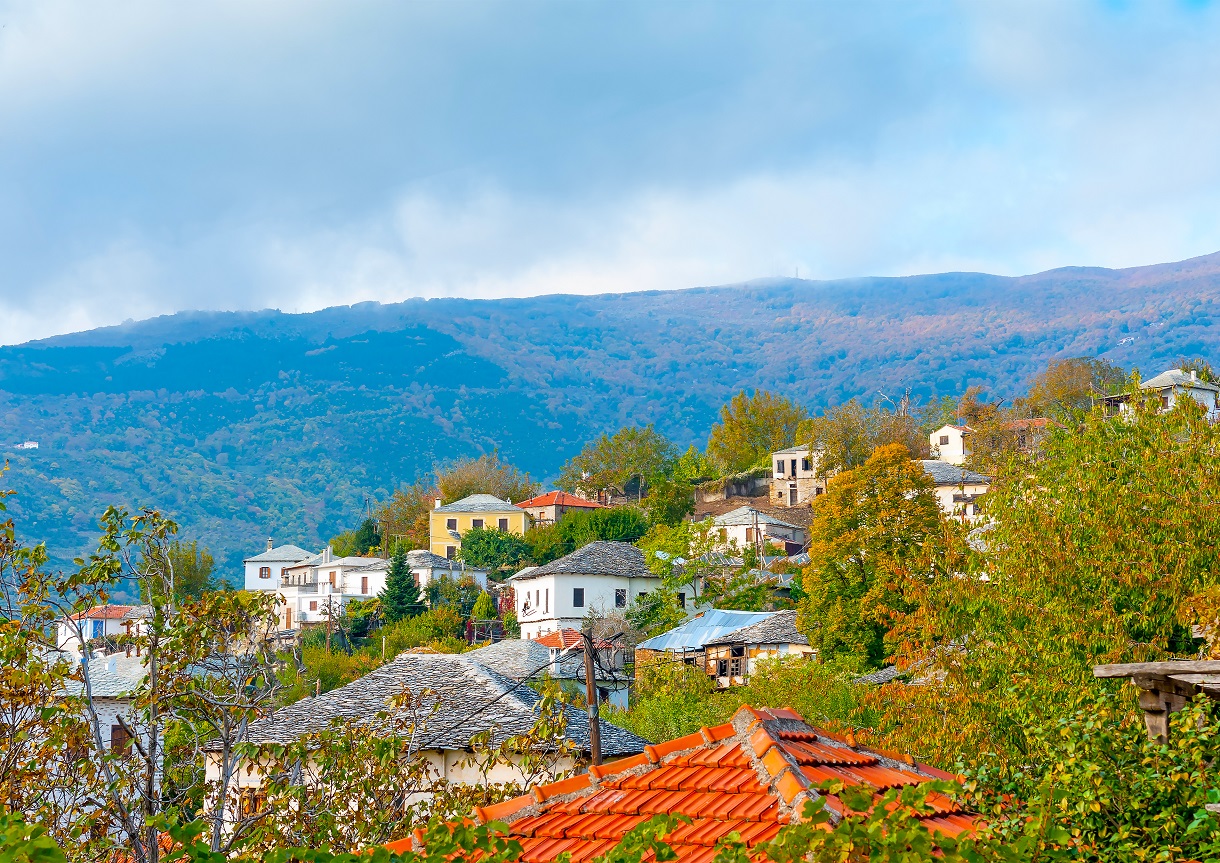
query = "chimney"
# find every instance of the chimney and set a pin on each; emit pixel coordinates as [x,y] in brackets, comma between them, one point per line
[438,503]
[270,544]
[1194,375]
[326,554]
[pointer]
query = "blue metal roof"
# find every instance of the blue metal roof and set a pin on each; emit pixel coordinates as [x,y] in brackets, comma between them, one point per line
[702,630]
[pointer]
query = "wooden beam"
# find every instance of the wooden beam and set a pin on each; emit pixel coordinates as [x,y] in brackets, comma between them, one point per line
[1164,669]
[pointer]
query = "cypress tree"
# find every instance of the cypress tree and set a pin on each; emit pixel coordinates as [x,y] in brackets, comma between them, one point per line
[400,598]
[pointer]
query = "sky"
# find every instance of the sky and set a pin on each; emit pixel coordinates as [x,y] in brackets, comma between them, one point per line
[156,156]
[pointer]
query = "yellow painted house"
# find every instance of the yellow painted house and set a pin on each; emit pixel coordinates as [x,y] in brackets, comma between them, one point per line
[448,523]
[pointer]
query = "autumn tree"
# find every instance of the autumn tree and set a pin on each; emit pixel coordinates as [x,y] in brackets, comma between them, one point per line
[867,530]
[404,517]
[847,434]
[1067,388]
[631,457]
[486,474]
[751,427]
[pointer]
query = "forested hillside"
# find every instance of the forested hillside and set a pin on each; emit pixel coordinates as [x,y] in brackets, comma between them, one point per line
[247,424]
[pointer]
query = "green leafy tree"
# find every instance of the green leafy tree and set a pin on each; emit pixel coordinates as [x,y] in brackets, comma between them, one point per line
[669,501]
[1067,389]
[685,555]
[192,567]
[632,455]
[751,427]
[486,474]
[846,435]
[868,529]
[493,550]
[655,612]
[484,608]
[400,598]
[693,466]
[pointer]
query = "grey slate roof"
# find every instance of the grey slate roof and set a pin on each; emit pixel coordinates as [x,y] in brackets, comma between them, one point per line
[421,558]
[478,503]
[114,676]
[792,450]
[597,558]
[521,659]
[884,675]
[748,515]
[1176,378]
[471,699]
[705,629]
[943,473]
[281,554]
[779,628]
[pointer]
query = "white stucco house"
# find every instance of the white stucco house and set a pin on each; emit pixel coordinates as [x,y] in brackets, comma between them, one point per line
[265,571]
[1170,387]
[101,621]
[747,527]
[796,476]
[113,683]
[948,444]
[321,585]
[957,489]
[606,576]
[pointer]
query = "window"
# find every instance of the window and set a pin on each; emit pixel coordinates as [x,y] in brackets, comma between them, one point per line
[749,534]
[722,668]
[805,465]
[794,467]
[739,650]
[451,524]
[504,525]
[283,572]
[944,439]
[681,600]
[364,585]
[546,600]
[120,740]
[578,597]
[640,596]
[264,572]
[476,522]
[620,598]
[313,605]
[449,552]
[416,576]
[99,629]
[779,468]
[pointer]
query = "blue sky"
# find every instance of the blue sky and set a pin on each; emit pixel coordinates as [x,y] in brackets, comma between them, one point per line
[165,156]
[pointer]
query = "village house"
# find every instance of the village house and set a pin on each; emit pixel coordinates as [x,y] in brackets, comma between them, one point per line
[796,476]
[317,589]
[605,576]
[747,527]
[748,777]
[1169,387]
[560,656]
[447,523]
[957,489]
[98,623]
[456,698]
[948,444]
[730,659]
[688,641]
[550,507]
[266,571]
[113,682]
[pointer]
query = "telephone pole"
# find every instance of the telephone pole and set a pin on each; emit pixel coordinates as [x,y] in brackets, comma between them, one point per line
[595,731]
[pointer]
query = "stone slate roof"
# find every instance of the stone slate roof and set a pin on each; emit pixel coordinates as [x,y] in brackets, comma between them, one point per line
[114,676]
[596,558]
[471,698]
[943,473]
[478,503]
[745,515]
[281,554]
[877,678]
[1176,378]
[779,628]
[421,558]
[521,659]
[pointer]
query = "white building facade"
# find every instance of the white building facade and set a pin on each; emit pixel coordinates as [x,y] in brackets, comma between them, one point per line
[796,476]
[319,587]
[266,571]
[957,489]
[602,576]
[746,527]
[948,444]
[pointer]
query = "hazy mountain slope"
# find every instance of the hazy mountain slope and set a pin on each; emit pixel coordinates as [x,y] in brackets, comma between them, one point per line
[244,424]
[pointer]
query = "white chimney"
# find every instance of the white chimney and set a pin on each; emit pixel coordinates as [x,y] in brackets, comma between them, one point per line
[1194,375]
[326,554]
[270,544]
[438,503]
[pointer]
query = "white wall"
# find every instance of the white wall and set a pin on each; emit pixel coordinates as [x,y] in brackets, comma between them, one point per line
[954,450]
[545,604]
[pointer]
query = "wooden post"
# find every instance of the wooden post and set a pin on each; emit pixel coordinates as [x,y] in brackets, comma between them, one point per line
[595,730]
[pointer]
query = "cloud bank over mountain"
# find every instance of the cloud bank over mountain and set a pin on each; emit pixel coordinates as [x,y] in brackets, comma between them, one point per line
[300,155]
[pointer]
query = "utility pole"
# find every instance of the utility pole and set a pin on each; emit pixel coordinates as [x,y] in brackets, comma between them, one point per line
[328,610]
[595,730]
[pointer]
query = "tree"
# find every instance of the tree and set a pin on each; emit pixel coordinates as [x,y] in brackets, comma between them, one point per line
[578,528]
[483,475]
[684,556]
[484,608]
[1067,388]
[400,598]
[867,530]
[669,501]
[493,550]
[1201,367]
[404,517]
[192,567]
[612,462]
[752,427]
[693,466]
[848,434]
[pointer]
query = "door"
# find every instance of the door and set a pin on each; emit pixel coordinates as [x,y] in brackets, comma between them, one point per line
[792,497]
[288,618]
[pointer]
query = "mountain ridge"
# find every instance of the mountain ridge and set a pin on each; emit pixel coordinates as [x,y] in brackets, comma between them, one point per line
[245,424]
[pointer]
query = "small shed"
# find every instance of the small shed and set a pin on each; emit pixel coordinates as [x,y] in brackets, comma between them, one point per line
[732,658]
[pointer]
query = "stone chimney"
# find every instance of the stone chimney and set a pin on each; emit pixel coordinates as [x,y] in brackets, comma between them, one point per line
[270,544]
[326,554]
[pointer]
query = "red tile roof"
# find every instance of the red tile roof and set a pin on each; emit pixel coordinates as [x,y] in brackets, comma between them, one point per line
[559,498]
[105,612]
[565,638]
[751,775]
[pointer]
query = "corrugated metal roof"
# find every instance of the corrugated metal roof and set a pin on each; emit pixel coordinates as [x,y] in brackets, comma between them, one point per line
[700,631]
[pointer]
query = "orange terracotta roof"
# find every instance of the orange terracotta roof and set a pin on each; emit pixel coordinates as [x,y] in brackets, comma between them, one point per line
[105,612]
[565,638]
[559,498]
[751,775]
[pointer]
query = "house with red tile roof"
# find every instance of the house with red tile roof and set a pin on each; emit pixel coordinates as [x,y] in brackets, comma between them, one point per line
[97,623]
[550,507]
[751,776]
